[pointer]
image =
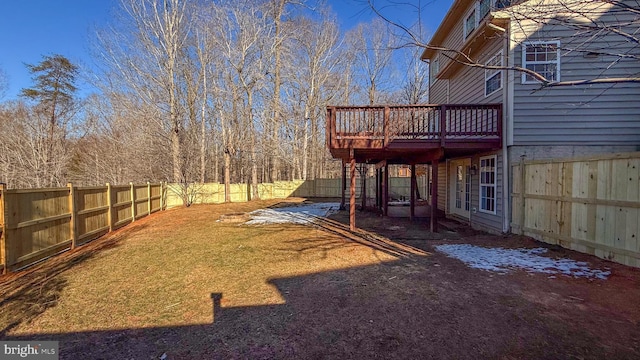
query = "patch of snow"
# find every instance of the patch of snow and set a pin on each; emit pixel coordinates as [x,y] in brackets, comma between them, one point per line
[502,260]
[303,214]
[399,202]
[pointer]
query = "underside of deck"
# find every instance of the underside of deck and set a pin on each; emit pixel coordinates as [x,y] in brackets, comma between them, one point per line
[409,134]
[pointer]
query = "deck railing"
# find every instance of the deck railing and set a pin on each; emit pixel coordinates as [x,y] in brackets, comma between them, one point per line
[378,126]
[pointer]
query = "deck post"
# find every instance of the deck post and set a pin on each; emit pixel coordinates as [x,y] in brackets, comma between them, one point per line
[412,198]
[364,186]
[343,185]
[352,189]
[385,125]
[434,196]
[443,124]
[385,191]
[378,190]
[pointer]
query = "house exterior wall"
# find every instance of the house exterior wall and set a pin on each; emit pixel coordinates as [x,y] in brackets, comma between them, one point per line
[443,193]
[467,85]
[598,114]
[549,123]
[482,220]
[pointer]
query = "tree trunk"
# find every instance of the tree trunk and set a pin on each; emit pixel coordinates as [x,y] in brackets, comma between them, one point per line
[227,176]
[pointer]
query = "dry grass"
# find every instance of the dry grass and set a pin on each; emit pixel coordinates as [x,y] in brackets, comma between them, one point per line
[293,291]
[163,271]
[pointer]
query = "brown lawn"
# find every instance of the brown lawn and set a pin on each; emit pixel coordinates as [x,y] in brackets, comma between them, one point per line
[182,284]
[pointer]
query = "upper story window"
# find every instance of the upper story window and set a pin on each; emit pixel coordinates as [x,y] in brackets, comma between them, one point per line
[484,7]
[434,68]
[493,77]
[542,57]
[470,23]
[479,11]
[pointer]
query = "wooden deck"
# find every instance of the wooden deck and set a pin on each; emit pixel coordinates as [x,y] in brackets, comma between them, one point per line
[412,133]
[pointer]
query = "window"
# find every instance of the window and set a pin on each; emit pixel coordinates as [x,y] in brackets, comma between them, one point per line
[543,58]
[434,68]
[479,11]
[470,23]
[488,184]
[501,4]
[485,7]
[493,78]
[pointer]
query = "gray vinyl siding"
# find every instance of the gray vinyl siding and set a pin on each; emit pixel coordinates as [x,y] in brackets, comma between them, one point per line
[467,85]
[443,186]
[480,219]
[438,93]
[602,114]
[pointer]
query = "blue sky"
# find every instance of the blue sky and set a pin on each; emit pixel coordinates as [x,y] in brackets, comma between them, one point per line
[30,29]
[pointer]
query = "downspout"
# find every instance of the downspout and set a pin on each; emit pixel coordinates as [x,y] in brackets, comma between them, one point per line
[507,131]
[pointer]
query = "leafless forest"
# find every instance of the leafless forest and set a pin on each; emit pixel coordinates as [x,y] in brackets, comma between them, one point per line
[235,91]
[203,91]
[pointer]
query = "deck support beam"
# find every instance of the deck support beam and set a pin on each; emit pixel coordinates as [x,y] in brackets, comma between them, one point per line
[352,189]
[363,183]
[412,198]
[385,191]
[434,196]
[344,185]
[378,189]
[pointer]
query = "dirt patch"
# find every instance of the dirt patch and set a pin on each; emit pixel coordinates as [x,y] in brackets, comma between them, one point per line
[234,218]
[185,285]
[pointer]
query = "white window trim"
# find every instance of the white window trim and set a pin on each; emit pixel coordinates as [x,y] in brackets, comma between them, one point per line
[465,31]
[434,70]
[495,185]
[525,62]
[491,5]
[493,73]
[477,20]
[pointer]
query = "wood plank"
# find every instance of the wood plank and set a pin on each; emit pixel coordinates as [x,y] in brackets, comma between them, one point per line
[3,231]
[93,210]
[590,158]
[39,221]
[92,235]
[535,233]
[629,204]
[30,258]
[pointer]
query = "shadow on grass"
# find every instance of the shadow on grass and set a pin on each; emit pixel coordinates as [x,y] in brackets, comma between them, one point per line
[28,293]
[402,309]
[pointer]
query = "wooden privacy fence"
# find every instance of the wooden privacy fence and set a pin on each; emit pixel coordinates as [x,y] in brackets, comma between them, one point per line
[38,223]
[588,205]
[213,193]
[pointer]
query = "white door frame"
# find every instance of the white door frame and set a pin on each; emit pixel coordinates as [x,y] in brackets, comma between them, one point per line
[460,187]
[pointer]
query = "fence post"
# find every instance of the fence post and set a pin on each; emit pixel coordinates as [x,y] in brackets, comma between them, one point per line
[523,182]
[72,222]
[161,196]
[3,237]
[133,202]
[148,198]
[110,211]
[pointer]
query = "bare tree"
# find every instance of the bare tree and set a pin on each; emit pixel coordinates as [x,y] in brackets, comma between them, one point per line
[144,53]
[4,83]
[313,66]
[607,28]
[373,47]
